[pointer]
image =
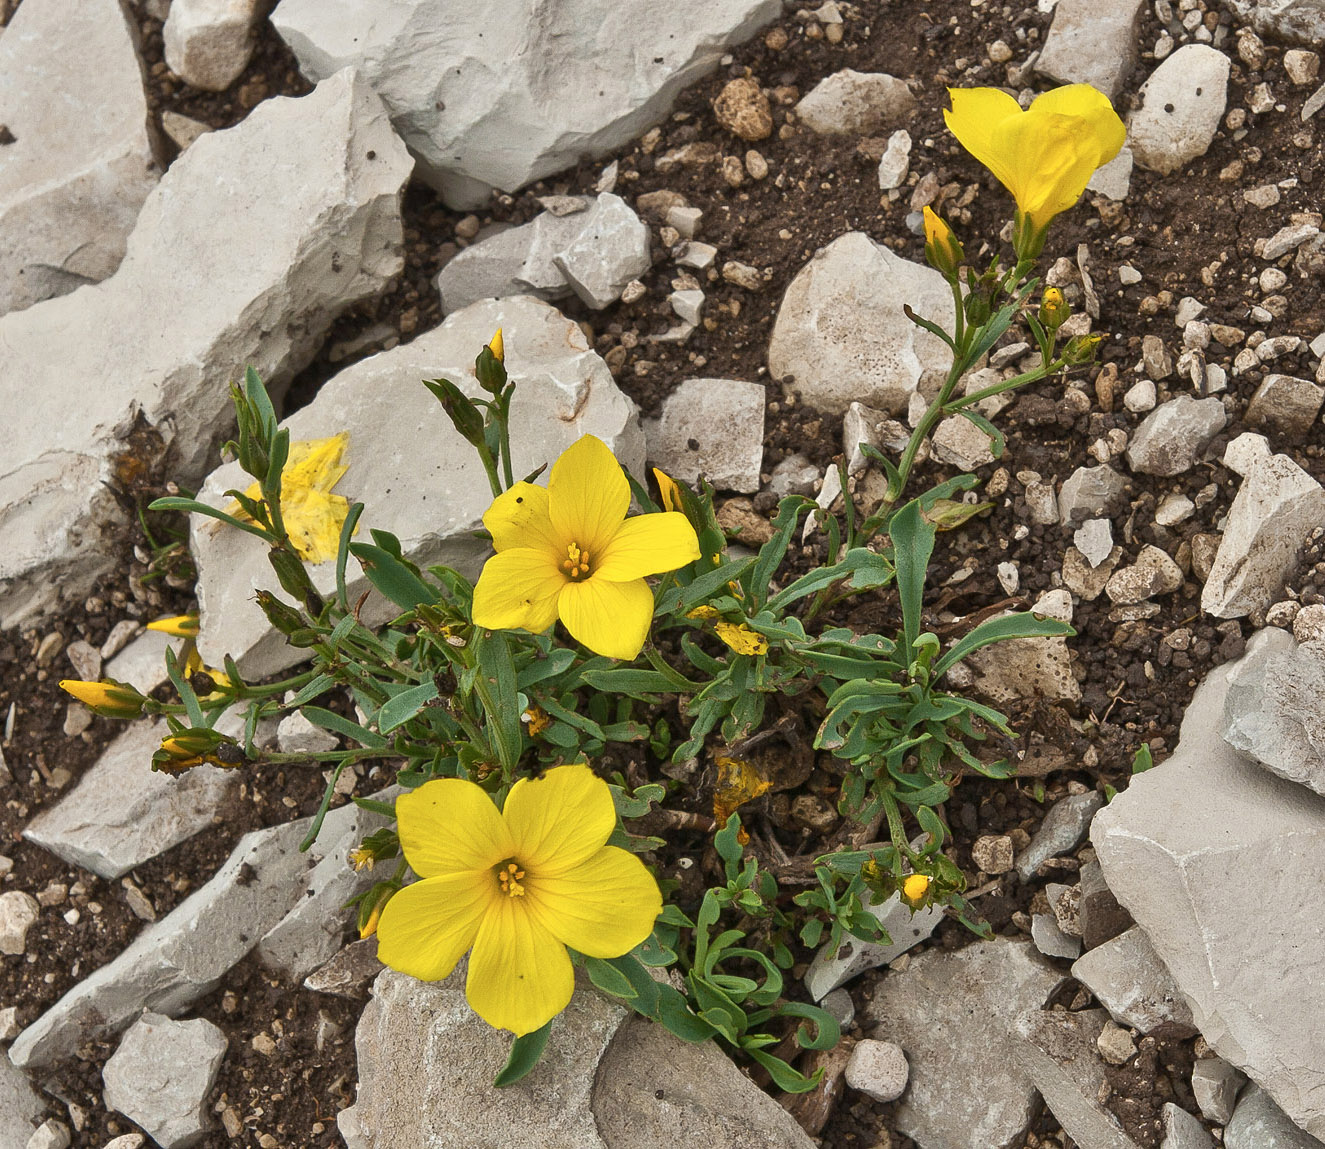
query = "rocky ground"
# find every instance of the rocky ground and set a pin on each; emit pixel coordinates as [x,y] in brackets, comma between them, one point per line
[1204,267]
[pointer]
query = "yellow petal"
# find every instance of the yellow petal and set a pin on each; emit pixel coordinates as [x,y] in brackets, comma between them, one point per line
[741,638]
[450,826]
[603,908]
[648,544]
[519,518]
[610,618]
[427,927]
[588,495]
[520,976]
[180,625]
[313,516]
[1052,160]
[975,114]
[518,588]
[669,493]
[558,821]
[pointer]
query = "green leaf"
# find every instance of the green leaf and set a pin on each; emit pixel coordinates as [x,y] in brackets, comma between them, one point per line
[784,1076]
[343,551]
[680,599]
[399,709]
[525,1052]
[392,577]
[609,979]
[772,552]
[316,686]
[193,507]
[339,724]
[1024,624]
[495,686]
[913,543]
[626,680]
[862,565]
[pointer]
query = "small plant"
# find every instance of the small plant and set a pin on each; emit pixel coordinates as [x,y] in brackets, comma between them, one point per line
[526,857]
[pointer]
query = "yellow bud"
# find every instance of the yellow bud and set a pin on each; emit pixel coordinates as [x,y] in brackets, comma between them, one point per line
[669,493]
[1053,309]
[915,888]
[498,347]
[180,625]
[109,699]
[942,249]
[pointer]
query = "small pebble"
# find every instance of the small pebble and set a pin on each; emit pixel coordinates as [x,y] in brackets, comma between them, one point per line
[18,911]
[878,1069]
[1115,1044]
[993,853]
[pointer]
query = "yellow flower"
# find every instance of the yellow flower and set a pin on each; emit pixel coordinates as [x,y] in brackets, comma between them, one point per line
[180,625]
[361,858]
[569,552]
[518,887]
[110,699]
[313,515]
[497,346]
[1045,155]
[741,638]
[914,889]
[942,248]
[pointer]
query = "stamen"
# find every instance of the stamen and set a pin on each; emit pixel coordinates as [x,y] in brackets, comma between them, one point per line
[508,878]
[576,565]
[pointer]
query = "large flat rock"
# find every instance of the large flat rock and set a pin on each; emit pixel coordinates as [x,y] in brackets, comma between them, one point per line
[248,248]
[501,94]
[1222,863]
[415,475]
[81,160]
[122,813]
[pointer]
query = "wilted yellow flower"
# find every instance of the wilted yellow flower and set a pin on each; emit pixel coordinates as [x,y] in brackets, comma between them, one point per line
[536,720]
[1045,155]
[741,638]
[108,698]
[517,886]
[704,611]
[361,858]
[313,515]
[568,552]
[180,625]
[738,783]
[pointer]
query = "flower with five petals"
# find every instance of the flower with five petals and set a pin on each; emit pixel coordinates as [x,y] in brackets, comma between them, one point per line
[517,886]
[1044,155]
[568,552]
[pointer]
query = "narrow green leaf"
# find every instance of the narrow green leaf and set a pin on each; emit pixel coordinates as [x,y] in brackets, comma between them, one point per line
[525,1052]
[1021,625]
[913,543]
[392,577]
[398,710]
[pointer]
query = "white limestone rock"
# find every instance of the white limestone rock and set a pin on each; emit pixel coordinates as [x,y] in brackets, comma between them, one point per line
[1171,844]
[850,103]
[1275,510]
[160,1075]
[842,334]
[878,1069]
[1021,668]
[1215,1085]
[415,475]
[1174,435]
[610,250]
[1091,493]
[20,1106]
[1092,42]
[836,965]
[961,443]
[1128,978]
[1153,573]
[955,1014]
[1181,106]
[1272,713]
[710,427]
[183,956]
[208,43]
[1297,21]
[81,160]
[122,813]
[606,1080]
[251,245]
[503,94]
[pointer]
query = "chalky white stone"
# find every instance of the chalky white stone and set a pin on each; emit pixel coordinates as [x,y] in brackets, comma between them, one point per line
[502,94]
[76,168]
[248,248]
[208,43]
[1181,107]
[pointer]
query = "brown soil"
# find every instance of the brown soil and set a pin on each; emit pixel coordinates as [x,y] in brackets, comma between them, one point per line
[286,1092]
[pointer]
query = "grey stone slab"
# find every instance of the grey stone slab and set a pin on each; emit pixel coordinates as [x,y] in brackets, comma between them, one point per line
[1130,980]
[1258,1123]
[20,1106]
[122,814]
[905,928]
[710,427]
[1174,848]
[1092,42]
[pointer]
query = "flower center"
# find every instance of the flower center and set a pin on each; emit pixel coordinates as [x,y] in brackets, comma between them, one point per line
[576,563]
[508,878]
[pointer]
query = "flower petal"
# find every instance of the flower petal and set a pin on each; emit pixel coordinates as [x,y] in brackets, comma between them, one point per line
[520,976]
[610,618]
[519,518]
[518,588]
[450,826]
[1053,158]
[648,544]
[588,494]
[603,908]
[427,927]
[559,821]
[975,113]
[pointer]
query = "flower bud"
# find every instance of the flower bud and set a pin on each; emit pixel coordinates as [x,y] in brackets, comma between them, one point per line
[942,249]
[1054,310]
[180,625]
[490,366]
[108,698]
[914,890]
[459,406]
[1081,349]
[194,746]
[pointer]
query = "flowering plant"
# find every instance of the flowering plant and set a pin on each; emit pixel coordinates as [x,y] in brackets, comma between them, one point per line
[547,775]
